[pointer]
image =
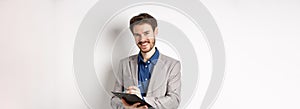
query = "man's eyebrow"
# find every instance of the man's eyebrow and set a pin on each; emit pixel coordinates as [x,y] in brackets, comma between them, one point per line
[147,31]
[136,34]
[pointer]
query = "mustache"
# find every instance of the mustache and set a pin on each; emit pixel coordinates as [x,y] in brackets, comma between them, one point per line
[141,42]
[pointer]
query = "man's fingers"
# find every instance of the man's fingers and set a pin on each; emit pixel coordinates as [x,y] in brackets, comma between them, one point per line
[136,104]
[124,102]
[145,107]
[132,88]
[132,91]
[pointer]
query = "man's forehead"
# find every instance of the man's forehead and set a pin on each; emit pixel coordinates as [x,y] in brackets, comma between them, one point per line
[142,31]
[142,28]
[143,25]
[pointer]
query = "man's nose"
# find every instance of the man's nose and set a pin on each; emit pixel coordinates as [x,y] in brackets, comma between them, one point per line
[143,37]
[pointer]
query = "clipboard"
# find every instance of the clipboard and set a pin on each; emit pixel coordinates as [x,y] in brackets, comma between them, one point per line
[131,98]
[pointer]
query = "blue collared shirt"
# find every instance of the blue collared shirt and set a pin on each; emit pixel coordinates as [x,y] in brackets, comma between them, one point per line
[145,70]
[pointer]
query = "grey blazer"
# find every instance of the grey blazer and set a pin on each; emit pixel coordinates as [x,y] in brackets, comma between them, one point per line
[164,86]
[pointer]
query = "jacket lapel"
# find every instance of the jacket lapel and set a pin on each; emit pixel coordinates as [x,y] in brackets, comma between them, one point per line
[156,75]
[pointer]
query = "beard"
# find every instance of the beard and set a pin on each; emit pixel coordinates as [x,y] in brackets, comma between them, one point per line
[146,50]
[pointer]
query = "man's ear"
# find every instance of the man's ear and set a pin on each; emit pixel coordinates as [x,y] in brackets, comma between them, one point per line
[155,31]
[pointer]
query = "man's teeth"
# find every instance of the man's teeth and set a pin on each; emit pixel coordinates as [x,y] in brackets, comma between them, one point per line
[144,43]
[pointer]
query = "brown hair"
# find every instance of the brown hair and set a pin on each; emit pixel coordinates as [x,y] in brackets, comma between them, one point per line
[141,19]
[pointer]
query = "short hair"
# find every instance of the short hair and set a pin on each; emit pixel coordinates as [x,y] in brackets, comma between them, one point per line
[141,19]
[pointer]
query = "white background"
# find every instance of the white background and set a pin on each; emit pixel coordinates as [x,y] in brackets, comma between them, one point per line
[261,40]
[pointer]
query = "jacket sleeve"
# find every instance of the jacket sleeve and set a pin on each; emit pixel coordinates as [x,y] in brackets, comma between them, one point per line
[118,87]
[172,98]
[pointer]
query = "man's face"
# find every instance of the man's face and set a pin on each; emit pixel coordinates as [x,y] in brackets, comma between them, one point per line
[144,36]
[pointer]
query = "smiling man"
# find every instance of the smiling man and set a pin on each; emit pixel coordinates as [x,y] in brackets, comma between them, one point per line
[151,75]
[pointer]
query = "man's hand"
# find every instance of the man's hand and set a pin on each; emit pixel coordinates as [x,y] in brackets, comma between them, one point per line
[134,90]
[134,106]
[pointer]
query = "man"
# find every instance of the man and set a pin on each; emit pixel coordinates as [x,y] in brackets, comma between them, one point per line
[151,75]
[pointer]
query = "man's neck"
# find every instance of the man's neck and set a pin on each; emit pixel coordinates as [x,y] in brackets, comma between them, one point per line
[148,55]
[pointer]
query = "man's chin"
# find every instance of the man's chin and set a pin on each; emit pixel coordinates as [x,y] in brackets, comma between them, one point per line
[145,51]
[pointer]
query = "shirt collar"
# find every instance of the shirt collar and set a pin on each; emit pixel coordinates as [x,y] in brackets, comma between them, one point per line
[153,58]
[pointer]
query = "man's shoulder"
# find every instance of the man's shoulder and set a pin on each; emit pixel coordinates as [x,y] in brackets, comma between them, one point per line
[129,58]
[166,58]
